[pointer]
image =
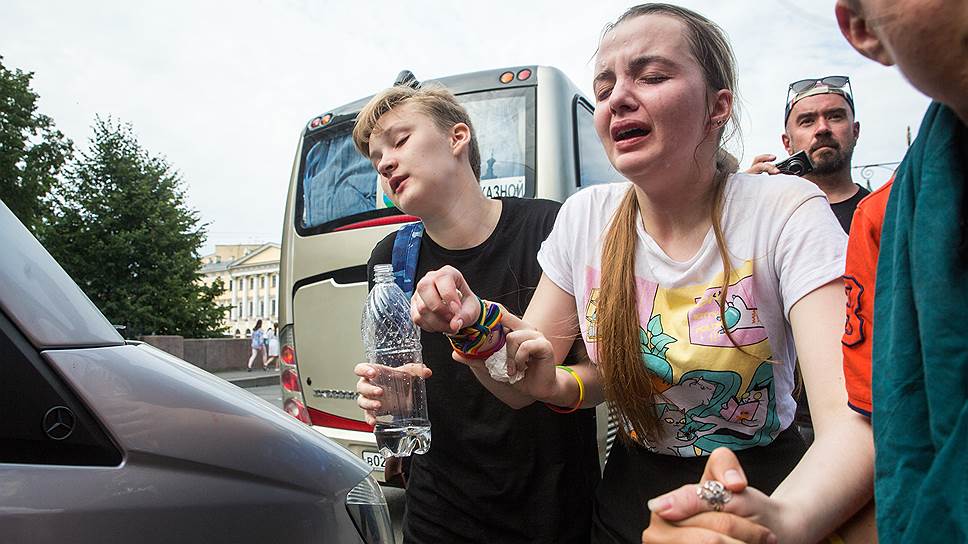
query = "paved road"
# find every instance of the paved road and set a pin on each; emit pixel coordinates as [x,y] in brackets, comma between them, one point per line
[271,393]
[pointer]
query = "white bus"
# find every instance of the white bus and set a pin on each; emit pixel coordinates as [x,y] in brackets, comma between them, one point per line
[535,133]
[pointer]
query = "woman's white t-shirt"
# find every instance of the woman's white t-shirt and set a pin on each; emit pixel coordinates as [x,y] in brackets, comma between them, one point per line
[784,242]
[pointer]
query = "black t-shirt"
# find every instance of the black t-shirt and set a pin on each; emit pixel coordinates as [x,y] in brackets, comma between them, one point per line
[495,474]
[845,210]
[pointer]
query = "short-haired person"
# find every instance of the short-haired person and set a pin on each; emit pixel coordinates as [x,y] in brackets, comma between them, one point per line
[492,474]
[920,352]
[694,288]
[819,120]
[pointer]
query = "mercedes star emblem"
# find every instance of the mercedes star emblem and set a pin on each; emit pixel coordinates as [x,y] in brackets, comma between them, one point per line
[59,422]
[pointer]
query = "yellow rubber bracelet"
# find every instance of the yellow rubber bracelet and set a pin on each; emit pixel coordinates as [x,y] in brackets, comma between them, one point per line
[581,393]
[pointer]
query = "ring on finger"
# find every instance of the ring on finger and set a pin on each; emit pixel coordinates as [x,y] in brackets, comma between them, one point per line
[715,494]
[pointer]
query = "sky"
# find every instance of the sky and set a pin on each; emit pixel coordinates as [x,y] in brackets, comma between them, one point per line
[222,90]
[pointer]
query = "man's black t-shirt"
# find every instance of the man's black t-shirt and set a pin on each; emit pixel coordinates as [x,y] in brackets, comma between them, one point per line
[845,210]
[495,474]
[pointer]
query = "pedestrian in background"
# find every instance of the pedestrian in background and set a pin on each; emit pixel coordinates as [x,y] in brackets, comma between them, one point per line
[257,345]
[272,344]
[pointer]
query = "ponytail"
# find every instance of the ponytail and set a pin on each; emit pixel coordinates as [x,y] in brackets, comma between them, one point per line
[628,384]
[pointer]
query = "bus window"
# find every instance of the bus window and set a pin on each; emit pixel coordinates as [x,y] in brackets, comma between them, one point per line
[339,186]
[337,181]
[593,165]
[505,135]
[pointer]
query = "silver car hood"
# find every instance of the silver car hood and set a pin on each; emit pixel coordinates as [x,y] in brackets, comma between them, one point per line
[161,410]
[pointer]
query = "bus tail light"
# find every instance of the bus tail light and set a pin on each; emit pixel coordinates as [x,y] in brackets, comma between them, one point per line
[290,380]
[297,409]
[293,402]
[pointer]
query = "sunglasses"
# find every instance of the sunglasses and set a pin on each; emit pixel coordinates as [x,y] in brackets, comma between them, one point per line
[838,82]
[834,84]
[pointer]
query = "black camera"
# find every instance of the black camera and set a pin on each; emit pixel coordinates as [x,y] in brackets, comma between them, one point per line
[797,164]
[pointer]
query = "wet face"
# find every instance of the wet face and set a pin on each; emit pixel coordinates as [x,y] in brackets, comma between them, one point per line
[651,98]
[927,39]
[824,127]
[414,159]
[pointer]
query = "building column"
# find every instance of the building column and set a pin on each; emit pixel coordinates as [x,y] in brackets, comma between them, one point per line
[274,296]
[235,299]
[265,298]
[256,278]
[245,297]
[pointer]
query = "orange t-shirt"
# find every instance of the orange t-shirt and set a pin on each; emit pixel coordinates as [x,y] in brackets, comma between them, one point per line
[861,271]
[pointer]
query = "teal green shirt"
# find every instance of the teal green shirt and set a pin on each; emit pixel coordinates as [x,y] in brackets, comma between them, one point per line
[920,357]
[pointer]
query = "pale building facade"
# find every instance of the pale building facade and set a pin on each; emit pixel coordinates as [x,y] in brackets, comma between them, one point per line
[250,274]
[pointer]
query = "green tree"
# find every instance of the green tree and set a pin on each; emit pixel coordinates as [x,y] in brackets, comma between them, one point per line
[32,151]
[124,232]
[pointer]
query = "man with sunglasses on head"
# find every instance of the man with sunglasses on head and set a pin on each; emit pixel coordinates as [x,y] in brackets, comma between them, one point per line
[820,121]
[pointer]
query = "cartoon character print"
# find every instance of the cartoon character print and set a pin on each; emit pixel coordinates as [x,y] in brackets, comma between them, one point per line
[654,345]
[708,392]
[591,316]
[706,326]
[714,413]
[738,315]
[705,408]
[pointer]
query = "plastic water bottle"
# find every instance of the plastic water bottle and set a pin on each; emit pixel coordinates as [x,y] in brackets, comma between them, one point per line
[391,341]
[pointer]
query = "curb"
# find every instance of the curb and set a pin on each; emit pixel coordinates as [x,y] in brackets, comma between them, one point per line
[248,382]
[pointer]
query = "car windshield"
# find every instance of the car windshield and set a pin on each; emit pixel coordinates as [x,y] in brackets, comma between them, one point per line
[339,186]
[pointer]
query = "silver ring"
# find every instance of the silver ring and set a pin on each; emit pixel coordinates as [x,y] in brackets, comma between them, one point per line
[715,494]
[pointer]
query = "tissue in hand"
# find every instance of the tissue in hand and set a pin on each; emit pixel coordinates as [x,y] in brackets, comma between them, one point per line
[497,367]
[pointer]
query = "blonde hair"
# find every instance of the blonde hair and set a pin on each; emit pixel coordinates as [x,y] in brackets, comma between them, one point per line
[628,383]
[437,103]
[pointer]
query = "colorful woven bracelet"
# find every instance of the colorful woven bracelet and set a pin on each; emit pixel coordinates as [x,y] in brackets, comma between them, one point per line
[581,393]
[471,341]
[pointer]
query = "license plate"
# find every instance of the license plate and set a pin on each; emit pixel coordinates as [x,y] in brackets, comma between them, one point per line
[374,459]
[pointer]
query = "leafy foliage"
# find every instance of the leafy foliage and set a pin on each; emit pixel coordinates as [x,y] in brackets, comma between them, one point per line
[32,150]
[124,232]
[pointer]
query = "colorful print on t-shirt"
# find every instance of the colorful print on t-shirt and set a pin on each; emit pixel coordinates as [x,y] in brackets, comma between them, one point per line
[712,372]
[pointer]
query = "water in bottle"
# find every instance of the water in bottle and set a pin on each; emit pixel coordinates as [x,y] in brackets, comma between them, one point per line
[392,344]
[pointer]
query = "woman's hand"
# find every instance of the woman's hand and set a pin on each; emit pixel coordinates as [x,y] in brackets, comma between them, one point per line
[530,352]
[711,527]
[371,396]
[684,504]
[443,302]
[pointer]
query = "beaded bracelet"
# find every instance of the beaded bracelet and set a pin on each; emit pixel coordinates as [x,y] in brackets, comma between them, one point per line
[470,342]
[581,393]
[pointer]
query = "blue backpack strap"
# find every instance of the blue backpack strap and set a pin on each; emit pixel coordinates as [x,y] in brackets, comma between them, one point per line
[406,251]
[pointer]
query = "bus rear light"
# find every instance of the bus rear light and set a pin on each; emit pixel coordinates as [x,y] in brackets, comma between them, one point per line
[325,419]
[288,355]
[507,77]
[524,74]
[297,410]
[290,380]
